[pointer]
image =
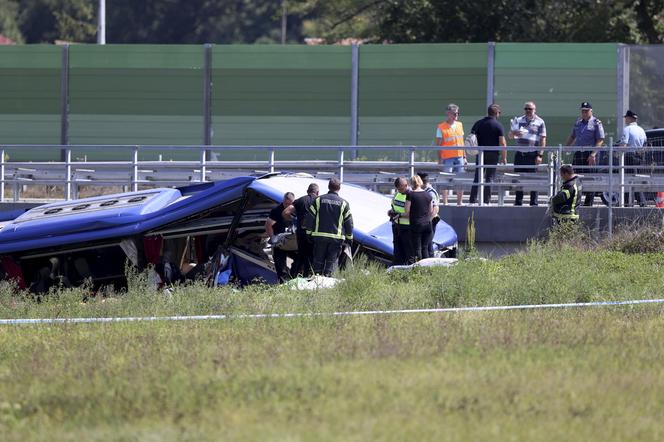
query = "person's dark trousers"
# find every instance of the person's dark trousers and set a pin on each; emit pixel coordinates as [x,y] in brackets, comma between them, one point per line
[580,163]
[434,223]
[525,159]
[303,264]
[326,255]
[401,243]
[635,159]
[420,237]
[279,257]
[489,176]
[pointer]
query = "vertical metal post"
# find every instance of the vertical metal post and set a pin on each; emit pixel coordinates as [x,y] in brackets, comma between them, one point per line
[341,165]
[354,94]
[270,161]
[101,27]
[559,163]
[480,168]
[611,187]
[64,101]
[622,87]
[207,98]
[411,162]
[622,177]
[134,165]
[203,158]
[490,67]
[552,174]
[2,176]
[67,174]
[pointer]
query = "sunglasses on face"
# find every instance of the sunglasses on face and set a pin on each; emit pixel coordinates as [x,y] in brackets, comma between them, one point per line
[528,108]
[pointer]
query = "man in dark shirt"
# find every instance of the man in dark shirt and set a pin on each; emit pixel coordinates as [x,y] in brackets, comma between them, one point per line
[274,225]
[300,207]
[490,133]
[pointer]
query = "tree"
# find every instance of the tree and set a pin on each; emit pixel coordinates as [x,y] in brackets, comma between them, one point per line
[9,20]
[510,20]
[198,21]
[44,21]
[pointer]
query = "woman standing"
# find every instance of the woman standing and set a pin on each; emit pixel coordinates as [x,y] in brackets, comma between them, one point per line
[419,210]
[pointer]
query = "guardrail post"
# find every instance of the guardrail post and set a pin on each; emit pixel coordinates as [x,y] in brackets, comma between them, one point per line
[134,166]
[340,165]
[480,182]
[203,158]
[270,161]
[411,162]
[622,177]
[552,174]
[15,188]
[610,221]
[559,164]
[67,174]
[2,176]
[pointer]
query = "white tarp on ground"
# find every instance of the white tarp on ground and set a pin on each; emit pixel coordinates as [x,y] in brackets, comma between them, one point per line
[427,262]
[313,283]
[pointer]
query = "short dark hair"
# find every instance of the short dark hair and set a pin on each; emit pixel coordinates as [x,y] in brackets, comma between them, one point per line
[399,180]
[289,196]
[424,176]
[566,169]
[313,188]
[493,110]
[334,184]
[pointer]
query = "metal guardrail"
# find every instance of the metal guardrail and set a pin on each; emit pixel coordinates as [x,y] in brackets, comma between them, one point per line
[133,173]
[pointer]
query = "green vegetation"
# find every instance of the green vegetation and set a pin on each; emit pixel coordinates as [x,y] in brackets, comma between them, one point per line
[590,374]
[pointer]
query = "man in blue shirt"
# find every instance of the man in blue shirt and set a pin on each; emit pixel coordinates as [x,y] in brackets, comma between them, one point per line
[633,136]
[588,132]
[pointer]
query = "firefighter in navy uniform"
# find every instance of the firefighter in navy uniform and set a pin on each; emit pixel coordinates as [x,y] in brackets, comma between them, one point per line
[331,224]
[565,203]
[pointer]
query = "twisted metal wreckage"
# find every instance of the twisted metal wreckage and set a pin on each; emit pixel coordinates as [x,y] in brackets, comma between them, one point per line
[191,232]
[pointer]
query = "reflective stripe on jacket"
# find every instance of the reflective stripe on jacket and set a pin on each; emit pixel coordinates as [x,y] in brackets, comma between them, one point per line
[451,136]
[399,207]
[331,217]
[566,202]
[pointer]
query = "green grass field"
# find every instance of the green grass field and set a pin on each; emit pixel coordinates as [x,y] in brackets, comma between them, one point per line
[591,374]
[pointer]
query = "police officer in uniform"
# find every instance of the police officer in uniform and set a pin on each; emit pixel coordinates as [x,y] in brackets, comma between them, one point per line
[331,224]
[400,223]
[565,203]
[588,131]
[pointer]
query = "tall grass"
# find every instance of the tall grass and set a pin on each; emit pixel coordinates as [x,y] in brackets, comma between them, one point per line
[534,375]
[556,375]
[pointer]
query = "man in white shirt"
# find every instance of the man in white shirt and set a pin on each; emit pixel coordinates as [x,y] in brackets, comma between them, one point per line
[531,132]
[633,136]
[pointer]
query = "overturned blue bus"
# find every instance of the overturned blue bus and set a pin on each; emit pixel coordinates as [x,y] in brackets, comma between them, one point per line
[180,232]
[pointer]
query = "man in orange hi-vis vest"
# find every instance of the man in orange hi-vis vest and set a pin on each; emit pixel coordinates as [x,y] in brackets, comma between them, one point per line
[450,133]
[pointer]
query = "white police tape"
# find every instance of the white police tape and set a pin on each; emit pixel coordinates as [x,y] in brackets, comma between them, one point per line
[323,314]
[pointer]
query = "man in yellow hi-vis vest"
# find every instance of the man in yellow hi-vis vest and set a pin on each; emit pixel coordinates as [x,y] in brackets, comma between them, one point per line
[400,223]
[330,224]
